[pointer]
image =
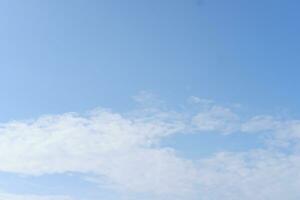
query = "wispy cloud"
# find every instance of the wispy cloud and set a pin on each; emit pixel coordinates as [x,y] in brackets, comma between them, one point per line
[218,119]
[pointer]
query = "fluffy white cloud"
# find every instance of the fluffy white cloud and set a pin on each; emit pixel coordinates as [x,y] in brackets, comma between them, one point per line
[102,143]
[121,151]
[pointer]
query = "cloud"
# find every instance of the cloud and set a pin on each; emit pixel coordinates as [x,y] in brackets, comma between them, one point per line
[5,196]
[102,143]
[261,123]
[147,99]
[121,151]
[257,174]
[217,119]
[201,101]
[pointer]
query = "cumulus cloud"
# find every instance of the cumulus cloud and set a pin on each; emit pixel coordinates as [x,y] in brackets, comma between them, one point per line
[102,143]
[122,151]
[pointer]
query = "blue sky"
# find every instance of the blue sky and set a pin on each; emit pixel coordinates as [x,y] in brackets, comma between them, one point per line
[194,81]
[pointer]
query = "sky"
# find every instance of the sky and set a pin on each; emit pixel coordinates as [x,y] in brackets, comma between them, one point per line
[154,100]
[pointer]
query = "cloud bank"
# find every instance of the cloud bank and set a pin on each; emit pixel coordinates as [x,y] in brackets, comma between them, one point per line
[121,151]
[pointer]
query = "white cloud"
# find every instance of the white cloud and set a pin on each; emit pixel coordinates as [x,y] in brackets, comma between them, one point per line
[121,151]
[282,133]
[201,101]
[260,174]
[147,99]
[103,143]
[5,196]
[217,119]
[261,124]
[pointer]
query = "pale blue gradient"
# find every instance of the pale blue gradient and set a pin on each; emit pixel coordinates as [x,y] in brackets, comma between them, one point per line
[73,56]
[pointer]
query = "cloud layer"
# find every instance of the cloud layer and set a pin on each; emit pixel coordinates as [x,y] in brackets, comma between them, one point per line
[121,151]
[5,196]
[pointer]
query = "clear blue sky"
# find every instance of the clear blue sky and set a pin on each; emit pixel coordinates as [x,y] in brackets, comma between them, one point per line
[74,56]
